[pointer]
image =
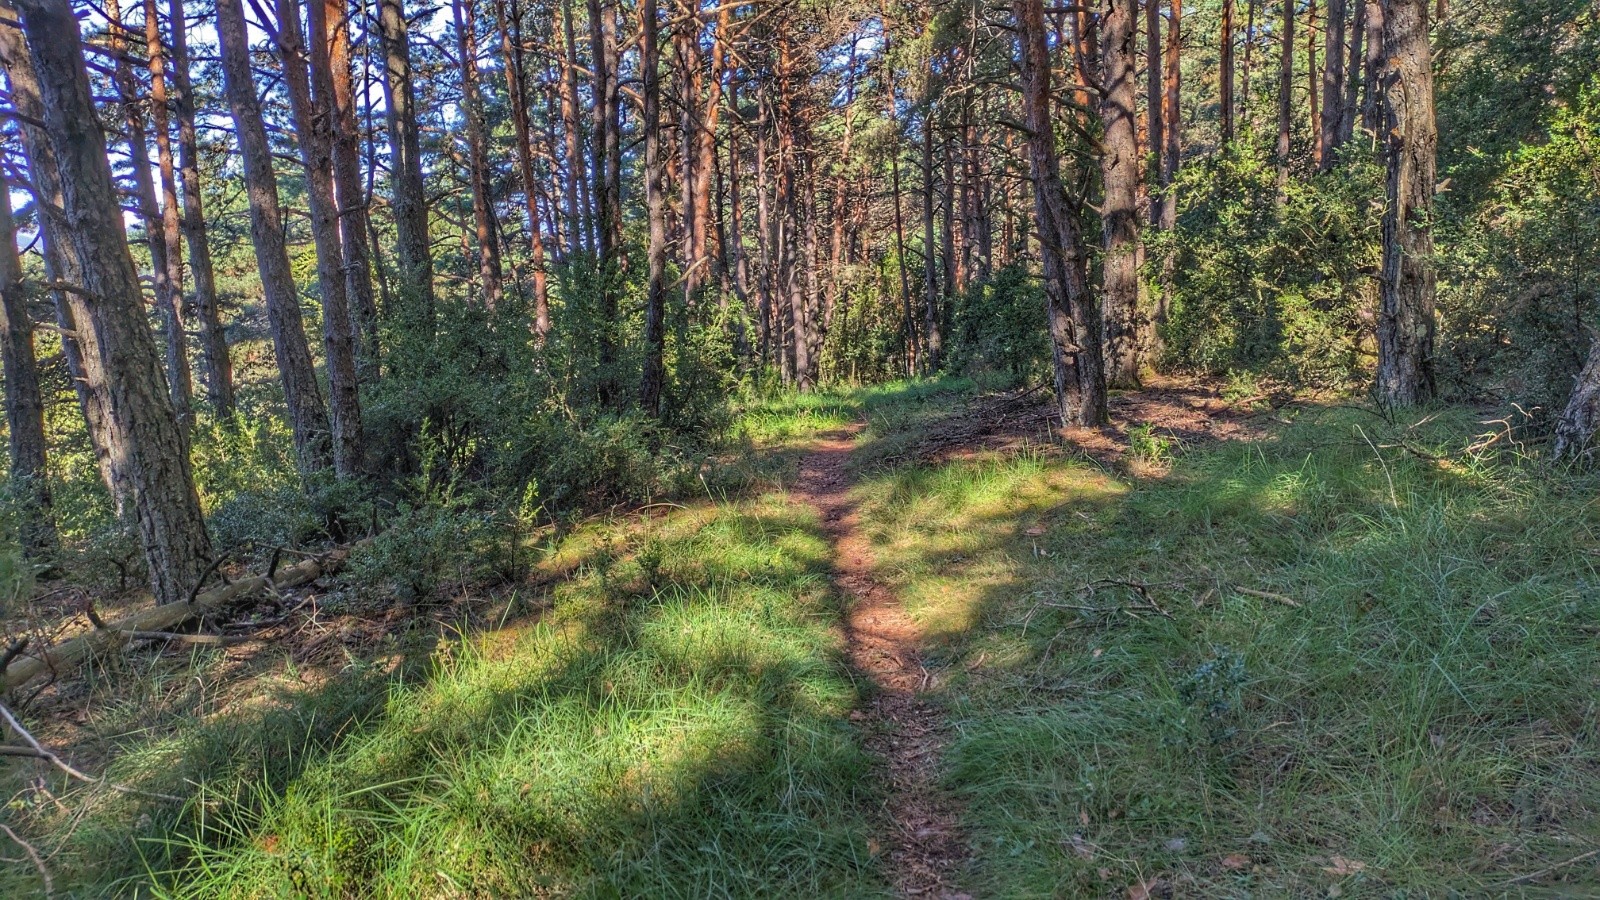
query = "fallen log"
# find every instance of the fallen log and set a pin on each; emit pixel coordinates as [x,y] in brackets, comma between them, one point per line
[69,654]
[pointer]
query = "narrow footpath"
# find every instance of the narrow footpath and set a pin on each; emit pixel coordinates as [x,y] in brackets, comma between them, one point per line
[926,849]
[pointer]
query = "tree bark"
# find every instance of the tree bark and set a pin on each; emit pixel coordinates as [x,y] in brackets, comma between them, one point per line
[331,80]
[30,487]
[1407,285]
[1155,118]
[510,22]
[308,418]
[1575,430]
[119,357]
[651,382]
[1285,96]
[216,368]
[931,339]
[491,274]
[166,289]
[413,247]
[1333,83]
[314,127]
[1074,323]
[1225,88]
[1119,169]
[171,230]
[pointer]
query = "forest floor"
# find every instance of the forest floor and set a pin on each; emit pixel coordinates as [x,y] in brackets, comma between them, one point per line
[1235,646]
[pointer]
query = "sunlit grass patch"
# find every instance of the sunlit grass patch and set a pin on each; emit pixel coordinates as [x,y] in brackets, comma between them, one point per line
[1325,659]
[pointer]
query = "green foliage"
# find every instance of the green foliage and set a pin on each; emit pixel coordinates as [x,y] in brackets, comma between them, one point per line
[1271,287]
[1521,293]
[998,326]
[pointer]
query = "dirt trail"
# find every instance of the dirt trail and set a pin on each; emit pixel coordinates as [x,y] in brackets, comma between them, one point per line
[925,846]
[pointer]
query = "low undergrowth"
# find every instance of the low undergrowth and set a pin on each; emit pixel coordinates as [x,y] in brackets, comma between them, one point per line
[1354,656]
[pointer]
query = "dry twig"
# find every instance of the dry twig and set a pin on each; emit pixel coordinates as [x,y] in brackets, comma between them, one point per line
[45,753]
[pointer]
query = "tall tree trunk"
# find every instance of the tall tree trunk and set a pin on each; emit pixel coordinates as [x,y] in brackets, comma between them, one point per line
[166,290]
[1333,85]
[1119,168]
[931,340]
[1285,96]
[1155,119]
[171,229]
[1352,75]
[605,167]
[580,222]
[510,22]
[61,265]
[308,418]
[215,366]
[1313,83]
[1074,323]
[1372,70]
[1225,89]
[120,357]
[30,488]
[1407,285]
[651,382]
[331,79]
[491,275]
[1246,98]
[413,247]
[314,128]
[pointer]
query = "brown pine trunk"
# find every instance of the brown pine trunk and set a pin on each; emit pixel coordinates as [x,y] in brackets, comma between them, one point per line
[1119,168]
[30,489]
[579,222]
[1407,285]
[61,266]
[605,167]
[119,356]
[1313,83]
[1333,78]
[931,339]
[308,418]
[510,22]
[1372,70]
[1155,119]
[166,290]
[216,368]
[413,247]
[1225,89]
[1285,95]
[1352,75]
[314,128]
[1074,325]
[491,274]
[1247,68]
[651,382]
[170,232]
[331,77]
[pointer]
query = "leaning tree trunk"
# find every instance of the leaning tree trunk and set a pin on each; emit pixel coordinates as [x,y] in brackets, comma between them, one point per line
[510,22]
[119,355]
[24,404]
[1074,323]
[315,131]
[1576,428]
[215,366]
[171,231]
[308,418]
[1408,280]
[61,267]
[1119,167]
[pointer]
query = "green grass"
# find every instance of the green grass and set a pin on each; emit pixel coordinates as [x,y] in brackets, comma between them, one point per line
[675,725]
[1321,662]
[1425,714]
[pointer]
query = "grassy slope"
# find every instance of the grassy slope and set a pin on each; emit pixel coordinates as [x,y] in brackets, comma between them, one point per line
[1423,722]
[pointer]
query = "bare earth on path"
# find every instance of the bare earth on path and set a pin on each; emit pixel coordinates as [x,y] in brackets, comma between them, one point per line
[925,846]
